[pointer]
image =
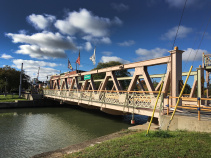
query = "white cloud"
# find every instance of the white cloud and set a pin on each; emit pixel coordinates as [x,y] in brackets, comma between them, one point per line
[6,56]
[119,7]
[43,45]
[107,53]
[105,40]
[85,22]
[44,39]
[145,54]
[192,54]
[97,40]
[31,68]
[35,51]
[127,43]
[41,21]
[182,33]
[105,59]
[88,46]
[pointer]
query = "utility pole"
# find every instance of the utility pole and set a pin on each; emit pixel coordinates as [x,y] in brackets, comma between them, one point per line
[20,87]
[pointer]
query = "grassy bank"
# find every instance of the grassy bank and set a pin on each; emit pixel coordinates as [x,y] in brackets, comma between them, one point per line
[10,98]
[156,144]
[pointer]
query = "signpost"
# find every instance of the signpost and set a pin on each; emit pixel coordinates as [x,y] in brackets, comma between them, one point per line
[87,77]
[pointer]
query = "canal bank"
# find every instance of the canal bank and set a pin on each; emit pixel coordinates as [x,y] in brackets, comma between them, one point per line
[29,104]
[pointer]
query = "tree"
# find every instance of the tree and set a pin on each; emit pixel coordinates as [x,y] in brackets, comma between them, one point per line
[121,73]
[10,78]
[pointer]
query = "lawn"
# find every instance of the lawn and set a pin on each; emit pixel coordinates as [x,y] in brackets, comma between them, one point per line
[177,144]
[10,98]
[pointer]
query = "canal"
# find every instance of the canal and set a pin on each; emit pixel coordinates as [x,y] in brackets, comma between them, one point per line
[30,131]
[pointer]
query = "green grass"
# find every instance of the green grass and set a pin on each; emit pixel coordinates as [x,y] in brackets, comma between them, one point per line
[10,98]
[176,144]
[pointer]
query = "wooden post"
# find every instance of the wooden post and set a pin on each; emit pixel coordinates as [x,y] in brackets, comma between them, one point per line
[199,108]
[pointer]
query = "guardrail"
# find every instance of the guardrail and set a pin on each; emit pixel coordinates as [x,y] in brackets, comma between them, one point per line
[207,60]
[135,99]
[197,107]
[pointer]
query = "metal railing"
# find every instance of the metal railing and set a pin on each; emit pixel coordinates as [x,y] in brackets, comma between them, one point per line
[193,107]
[135,99]
[207,60]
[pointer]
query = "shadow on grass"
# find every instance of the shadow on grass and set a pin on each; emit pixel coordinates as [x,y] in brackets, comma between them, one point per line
[161,134]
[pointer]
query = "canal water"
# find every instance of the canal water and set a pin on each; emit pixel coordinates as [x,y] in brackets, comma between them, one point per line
[30,131]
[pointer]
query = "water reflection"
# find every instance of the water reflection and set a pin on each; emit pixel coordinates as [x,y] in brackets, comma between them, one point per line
[26,132]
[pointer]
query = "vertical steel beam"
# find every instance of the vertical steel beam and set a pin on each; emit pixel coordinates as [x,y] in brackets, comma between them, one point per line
[200,79]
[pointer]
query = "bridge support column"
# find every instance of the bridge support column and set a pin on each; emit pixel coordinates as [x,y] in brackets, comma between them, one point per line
[176,73]
[200,83]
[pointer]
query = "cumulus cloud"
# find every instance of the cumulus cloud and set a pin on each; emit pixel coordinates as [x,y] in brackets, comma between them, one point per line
[88,46]
[145,54]
[192,54]
[41,22]
[182,33]
[43,45]
[44,39]
[127,43]
[31,68]
[85,22]
[105,59]
[119,7]
[107,53]
[6,56]
[35,51]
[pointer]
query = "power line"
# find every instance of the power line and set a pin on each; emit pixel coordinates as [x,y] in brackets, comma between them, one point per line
[196,39]
[179,24]
[201,39]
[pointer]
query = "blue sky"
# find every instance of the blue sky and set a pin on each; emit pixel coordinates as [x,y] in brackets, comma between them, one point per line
[46,33]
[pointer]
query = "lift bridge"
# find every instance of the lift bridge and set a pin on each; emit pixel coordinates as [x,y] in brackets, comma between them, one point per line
[67,88]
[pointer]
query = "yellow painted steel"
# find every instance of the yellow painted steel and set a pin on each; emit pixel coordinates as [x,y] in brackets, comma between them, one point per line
[180,96]
[154,108]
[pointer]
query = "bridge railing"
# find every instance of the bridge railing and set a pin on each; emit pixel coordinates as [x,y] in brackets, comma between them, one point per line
[137,99]
[192,107]
[206,60]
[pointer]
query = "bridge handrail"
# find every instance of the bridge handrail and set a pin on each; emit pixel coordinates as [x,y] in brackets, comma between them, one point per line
[206,60]
[135,100]
[197,107]
[110,91]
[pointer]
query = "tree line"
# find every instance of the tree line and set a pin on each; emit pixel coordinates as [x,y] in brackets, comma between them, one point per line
[10,80]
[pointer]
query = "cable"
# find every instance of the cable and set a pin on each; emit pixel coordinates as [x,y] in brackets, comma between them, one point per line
[179,24]
[201,39]
[196,39]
